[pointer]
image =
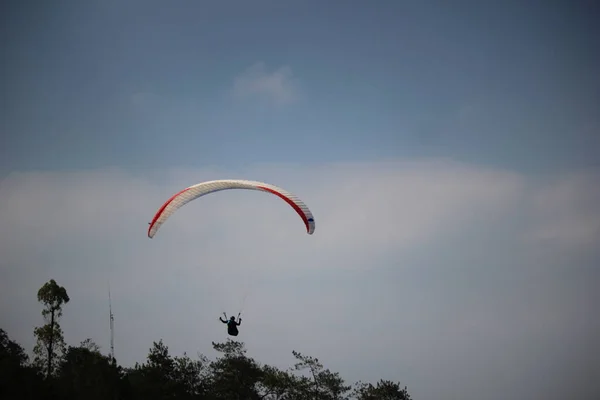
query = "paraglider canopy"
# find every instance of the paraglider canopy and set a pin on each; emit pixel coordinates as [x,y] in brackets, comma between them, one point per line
[188,194]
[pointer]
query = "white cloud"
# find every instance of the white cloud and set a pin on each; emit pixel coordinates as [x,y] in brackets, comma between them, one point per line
[434,244]
[278,86]
[566,210]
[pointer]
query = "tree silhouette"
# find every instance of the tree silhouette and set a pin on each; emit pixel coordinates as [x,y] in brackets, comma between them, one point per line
[83,373]
[50,340]
[385,390]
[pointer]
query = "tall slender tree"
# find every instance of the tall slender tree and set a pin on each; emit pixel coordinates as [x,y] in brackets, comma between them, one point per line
[50,340]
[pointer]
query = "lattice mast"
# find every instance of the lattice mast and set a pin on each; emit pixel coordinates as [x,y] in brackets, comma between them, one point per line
[112,327]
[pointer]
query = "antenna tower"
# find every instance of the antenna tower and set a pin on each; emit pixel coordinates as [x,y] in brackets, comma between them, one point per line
[112,327]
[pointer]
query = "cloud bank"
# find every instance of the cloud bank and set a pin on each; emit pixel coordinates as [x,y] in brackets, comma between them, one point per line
[458,280]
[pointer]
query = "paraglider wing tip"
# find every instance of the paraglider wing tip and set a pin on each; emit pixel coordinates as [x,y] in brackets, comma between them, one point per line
[293,204]
[310,228]
[151,231]
[162,209]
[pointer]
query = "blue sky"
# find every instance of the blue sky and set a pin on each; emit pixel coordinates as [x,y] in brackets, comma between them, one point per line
[448,150]
[513,84]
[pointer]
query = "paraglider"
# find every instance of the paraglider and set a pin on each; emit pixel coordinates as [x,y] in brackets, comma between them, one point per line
[190,193]
[232,324]
[193,192]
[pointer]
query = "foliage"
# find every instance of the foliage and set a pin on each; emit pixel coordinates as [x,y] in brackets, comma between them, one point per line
[83,372]
[385,390]
[18,379]
[86,373]
[322,383]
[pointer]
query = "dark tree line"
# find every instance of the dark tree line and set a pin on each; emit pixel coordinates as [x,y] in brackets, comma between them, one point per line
[82,372]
